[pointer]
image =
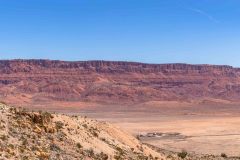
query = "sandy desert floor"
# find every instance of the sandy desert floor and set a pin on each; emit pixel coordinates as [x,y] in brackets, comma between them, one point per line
[202,131]
[198,134]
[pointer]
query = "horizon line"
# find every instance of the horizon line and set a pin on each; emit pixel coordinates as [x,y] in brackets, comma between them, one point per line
[115,61]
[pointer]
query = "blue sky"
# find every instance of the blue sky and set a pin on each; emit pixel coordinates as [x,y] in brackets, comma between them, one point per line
[152,31]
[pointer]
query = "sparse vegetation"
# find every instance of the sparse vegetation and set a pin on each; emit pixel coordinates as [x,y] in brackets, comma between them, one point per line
[39,135]
[79,145]
[90,152]
[54,147]
[95,134]
[59,125]
[183,154]
[102,156]
[223,155]
[3,137]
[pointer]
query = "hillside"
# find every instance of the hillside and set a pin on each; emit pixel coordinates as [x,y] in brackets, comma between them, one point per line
[41,135]
[45,81]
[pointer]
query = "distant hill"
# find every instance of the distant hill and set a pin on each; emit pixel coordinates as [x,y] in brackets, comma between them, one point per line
[108,82]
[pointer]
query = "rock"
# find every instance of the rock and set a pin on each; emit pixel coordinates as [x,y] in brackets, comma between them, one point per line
[37,130]
[49,129]
[115,82]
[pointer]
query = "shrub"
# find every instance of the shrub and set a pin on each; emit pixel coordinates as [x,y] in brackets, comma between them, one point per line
[90,152]
[95,134]
[120,151]
[59,125]
[150,156]
[223,155]
[79,145]
[54,147]
[117,157]
[103,156]
[169,156]
[142,157]
[3,137]
[183,154]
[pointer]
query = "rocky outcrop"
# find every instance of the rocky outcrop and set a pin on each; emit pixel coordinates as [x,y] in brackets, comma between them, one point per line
[115,82]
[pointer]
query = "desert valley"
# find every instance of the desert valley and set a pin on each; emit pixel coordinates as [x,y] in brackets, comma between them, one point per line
[172,107]
[119,80]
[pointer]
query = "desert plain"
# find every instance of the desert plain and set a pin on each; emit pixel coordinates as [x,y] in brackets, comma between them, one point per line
[200,129]
[210,128]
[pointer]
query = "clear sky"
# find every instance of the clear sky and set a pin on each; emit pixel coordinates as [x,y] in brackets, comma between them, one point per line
[152,31]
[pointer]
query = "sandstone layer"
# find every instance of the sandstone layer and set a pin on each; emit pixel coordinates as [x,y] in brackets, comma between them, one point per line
[46,81]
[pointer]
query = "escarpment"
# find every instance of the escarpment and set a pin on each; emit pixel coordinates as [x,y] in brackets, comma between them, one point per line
[110,82]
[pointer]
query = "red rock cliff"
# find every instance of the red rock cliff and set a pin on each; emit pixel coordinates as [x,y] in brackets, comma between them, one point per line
[115,82]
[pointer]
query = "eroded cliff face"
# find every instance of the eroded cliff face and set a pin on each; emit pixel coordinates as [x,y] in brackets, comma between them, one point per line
[115,82]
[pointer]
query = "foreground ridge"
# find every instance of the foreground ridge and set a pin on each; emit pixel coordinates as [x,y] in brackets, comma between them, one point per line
[42,135]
